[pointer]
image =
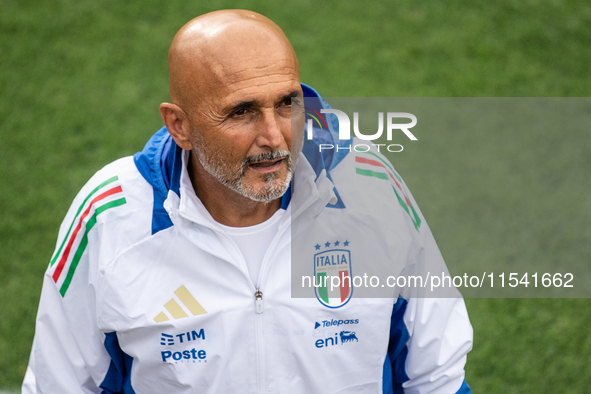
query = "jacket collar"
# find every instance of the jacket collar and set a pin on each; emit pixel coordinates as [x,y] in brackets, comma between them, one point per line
[309,191]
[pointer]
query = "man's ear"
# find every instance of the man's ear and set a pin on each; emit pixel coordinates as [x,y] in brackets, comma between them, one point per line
[177,123]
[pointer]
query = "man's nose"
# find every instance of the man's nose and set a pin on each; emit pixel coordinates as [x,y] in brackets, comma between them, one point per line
[270,133]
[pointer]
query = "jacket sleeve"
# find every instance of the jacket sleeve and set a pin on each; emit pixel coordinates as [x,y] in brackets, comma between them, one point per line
[430,336]
[68,353]
[429,341]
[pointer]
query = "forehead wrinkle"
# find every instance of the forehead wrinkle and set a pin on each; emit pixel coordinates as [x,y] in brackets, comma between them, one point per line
[230,62]
[231,76]
[279,93]
[267,77]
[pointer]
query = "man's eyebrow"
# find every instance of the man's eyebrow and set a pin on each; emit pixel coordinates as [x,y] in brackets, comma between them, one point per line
[253,103]
[292,94]
[241,105]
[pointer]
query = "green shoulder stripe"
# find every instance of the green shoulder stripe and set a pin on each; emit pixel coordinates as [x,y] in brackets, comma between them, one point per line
[92,193]
[84,242]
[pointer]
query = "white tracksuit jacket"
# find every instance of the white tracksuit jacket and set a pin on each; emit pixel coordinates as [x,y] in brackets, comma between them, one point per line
[146,294]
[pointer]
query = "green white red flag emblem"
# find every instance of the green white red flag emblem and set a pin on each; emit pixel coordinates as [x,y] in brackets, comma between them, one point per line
[332,275]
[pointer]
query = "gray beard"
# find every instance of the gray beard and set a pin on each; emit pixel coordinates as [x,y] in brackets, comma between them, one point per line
[234,178]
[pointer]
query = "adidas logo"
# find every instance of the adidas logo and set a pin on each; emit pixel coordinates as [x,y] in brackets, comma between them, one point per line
[180,306]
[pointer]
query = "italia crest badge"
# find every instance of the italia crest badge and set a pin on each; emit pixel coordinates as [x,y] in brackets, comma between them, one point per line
[332,274]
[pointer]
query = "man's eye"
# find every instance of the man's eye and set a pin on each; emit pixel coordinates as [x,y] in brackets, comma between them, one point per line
[239,112]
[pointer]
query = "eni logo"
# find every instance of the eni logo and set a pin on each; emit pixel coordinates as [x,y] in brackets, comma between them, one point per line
[345,337]
[348,336]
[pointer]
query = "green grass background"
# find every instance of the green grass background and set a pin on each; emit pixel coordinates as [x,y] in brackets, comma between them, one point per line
[81,81]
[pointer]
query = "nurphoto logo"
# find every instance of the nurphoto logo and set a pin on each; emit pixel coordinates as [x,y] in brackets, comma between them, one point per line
[344,129]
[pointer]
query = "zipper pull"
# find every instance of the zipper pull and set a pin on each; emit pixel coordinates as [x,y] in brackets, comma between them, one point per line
[259,301]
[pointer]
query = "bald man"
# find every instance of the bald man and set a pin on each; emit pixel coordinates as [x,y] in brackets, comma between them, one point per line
[233,75]
[172,271]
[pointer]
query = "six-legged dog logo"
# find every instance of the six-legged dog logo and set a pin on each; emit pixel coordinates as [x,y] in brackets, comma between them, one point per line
[347,336]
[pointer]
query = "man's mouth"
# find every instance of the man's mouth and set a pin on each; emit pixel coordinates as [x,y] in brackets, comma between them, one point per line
[267,166]
[266,163]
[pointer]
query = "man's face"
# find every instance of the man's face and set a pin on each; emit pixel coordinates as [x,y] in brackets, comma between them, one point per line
[242,126]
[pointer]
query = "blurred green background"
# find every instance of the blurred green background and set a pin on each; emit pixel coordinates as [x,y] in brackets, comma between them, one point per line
[81,81]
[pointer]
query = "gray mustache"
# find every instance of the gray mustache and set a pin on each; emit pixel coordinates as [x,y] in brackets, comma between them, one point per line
[280,154]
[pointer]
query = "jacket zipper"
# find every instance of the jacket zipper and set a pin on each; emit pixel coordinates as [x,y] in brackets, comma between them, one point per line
[260,351]
[258,295]
[259,308]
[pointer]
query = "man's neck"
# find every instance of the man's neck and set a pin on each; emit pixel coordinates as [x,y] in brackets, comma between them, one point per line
[225,205]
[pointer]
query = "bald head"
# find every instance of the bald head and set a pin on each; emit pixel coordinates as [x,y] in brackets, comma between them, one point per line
[219,51]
